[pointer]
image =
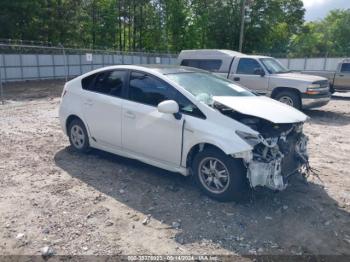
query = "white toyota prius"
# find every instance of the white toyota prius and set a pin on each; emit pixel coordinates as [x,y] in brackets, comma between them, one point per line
[188,121]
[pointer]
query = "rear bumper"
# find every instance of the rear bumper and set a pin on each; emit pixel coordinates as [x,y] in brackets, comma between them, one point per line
[313,101]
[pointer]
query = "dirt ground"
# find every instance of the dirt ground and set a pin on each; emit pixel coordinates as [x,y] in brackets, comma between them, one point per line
[97,203]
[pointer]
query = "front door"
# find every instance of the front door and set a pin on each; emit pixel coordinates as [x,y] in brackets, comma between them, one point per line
[103,107]
[146,131]
[246,75]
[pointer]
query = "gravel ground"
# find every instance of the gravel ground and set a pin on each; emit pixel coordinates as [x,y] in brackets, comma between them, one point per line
[103,204]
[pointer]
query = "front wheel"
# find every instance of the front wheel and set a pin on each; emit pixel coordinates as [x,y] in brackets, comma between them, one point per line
[289,98]
[220,176]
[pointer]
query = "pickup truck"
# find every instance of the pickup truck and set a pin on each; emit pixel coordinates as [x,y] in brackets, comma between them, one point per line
[263,75]
[339,80]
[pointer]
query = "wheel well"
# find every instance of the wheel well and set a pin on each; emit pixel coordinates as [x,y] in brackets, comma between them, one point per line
[198,148]
[281,89]
[70,119]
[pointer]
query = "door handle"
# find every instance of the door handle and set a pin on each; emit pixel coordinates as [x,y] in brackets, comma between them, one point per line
[130,114]
[236,79]
[341,75]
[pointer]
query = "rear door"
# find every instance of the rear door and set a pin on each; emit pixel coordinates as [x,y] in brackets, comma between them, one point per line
[246,76]
[103,107]
[342,77]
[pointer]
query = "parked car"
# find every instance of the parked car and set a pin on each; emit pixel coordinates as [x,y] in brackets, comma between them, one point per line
[339,79]
[188,121]
[262,74]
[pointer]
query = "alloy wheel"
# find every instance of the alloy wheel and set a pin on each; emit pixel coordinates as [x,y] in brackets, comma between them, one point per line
[213,175]
[77,136]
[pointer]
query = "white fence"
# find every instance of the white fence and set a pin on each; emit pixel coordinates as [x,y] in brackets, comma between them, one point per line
[299,64]
[19,67]
[20,62]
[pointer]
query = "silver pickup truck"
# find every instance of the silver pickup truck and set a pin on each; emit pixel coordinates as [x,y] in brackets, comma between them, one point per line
[339,80]
[262,74]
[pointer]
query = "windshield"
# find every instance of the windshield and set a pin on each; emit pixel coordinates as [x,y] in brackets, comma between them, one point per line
[204,86]
[273,66]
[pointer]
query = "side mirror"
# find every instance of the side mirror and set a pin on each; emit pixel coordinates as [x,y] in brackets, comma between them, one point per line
[170,107]
[259,71]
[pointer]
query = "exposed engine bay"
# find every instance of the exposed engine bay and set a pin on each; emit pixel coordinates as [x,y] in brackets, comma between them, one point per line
[279,151]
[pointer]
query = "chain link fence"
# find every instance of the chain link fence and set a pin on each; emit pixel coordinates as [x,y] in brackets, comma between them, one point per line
[19,62]
[22,61]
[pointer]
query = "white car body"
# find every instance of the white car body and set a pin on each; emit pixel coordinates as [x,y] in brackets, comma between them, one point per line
[140,131]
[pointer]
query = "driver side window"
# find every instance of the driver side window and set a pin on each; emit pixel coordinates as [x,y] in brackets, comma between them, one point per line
[148,90]
[248,66]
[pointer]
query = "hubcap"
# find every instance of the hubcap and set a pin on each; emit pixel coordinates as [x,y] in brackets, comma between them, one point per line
[77,136]
[213,175]
[286,100]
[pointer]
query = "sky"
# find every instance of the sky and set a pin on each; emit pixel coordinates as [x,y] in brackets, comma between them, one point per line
[318,9]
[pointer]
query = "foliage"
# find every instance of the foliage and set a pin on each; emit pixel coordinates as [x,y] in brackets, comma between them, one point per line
[275,26]
[330,36]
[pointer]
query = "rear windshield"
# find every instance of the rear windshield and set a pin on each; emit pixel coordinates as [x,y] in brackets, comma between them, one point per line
[204,86]
[205,64]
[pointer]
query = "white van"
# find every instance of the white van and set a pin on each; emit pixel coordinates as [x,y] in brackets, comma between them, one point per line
[262,74]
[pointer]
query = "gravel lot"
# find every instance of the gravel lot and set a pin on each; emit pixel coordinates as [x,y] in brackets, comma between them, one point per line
[99,203]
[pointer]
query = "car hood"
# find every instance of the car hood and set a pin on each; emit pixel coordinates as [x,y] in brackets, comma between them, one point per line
[299,76]
[262,107]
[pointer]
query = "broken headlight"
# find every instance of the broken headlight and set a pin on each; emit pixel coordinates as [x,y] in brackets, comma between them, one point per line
[251,139]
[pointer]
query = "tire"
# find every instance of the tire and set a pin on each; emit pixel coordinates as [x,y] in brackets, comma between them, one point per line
[78,136]
[235,186]
[290,98]
[331,89]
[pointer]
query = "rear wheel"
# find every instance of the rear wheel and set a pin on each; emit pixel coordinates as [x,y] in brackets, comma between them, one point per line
[78,136]
[220,176]
[289,98]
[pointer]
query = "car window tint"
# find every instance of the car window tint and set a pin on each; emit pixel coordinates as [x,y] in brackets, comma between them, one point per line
[149,90]
[88,81]
[345,68]
[109,83]
[247,66]
[205,64]
[187,107]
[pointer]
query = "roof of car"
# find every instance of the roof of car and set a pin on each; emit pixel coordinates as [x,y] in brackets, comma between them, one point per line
[157,68]
[171,69]
[211,52]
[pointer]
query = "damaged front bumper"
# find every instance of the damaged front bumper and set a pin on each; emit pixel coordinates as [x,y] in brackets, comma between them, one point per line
[273,160]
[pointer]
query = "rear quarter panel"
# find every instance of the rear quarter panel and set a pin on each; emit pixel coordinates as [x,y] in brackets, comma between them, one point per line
[71,103]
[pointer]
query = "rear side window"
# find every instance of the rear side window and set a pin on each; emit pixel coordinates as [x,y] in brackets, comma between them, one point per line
[109,83]
[88,81]
[345,68]
[247,66]
[205,64]
[149,90]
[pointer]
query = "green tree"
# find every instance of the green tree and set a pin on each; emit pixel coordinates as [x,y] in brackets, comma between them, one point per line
[330,36]
[272,24]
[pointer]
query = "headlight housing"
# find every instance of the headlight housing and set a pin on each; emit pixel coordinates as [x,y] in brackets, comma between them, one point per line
[314,89]
[314,85]
[251,139]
